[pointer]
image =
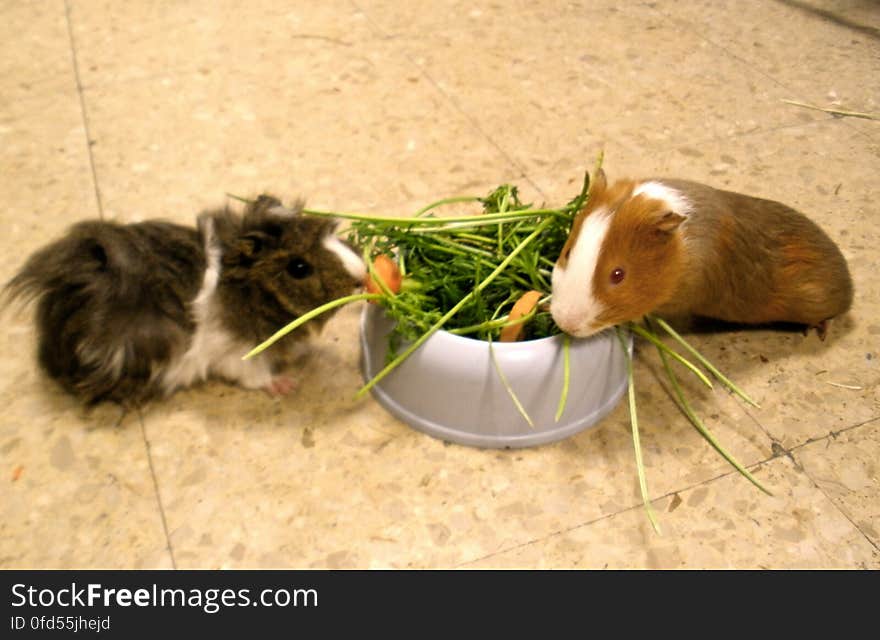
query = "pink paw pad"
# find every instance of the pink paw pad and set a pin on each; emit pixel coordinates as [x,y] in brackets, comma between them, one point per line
[281,386]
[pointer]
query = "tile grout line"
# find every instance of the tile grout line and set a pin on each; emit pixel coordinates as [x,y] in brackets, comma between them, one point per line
[833,502]
[622,511]
[776,445]
[156,488]
[833,435]
[829,16]
[748,134]
[784,453]
[82,105]
[778,450]
[661,382]
[669,19]
[746,63]
[476,125]
[608,515]
[450,100]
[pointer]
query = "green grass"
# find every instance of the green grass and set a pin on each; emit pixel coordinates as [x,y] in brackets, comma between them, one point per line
[463,273]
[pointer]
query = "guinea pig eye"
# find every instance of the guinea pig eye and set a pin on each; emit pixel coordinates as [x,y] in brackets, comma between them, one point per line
[299,268]
[617,275]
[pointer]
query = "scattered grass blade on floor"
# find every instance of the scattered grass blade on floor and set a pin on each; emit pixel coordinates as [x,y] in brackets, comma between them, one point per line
[702,360]
[686,408]
[463,273]
[634,422]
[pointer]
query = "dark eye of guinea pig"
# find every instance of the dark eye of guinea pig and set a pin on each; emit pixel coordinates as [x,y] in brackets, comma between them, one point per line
[299,268]
[617,275]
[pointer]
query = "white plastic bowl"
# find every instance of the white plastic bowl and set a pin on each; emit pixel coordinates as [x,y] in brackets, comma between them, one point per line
[449,387]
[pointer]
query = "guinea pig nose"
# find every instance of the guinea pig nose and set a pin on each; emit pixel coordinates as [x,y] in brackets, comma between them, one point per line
[573,323]
[563,321]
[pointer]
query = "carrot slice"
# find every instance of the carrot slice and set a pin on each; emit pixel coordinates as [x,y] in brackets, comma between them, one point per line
[386,270]
[521,307]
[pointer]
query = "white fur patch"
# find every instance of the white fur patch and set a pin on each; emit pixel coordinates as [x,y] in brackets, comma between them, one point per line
[674,199]
[574,306]
[284,212]
[350,260]
[107,363]
[213,349]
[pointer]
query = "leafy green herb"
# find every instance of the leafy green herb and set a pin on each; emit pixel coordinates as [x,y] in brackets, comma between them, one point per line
[464,273]
[447,260]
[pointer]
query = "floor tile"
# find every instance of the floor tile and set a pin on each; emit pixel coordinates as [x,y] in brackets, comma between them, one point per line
[806,387]
[268,39]
[800,48]
[344,484]
[844,467]
[35,55]
[169,147]
[382,107]
[76,490]
[553,104]
[718,525]
[797,47]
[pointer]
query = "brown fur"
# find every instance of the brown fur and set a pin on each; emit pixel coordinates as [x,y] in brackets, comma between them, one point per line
[650,253]
[114,301]
[733,257]
[756,261]
[601,196]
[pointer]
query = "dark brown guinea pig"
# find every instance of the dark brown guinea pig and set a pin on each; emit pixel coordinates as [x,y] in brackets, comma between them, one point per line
[129,312]
[680,249]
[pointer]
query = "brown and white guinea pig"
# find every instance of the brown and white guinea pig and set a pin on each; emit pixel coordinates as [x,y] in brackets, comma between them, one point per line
[129,312]
[681,249]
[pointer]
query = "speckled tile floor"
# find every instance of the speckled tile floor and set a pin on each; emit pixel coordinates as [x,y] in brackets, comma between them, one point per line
[134,110]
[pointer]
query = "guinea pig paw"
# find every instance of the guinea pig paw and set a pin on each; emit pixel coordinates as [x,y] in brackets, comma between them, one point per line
[281,386]
[821,329]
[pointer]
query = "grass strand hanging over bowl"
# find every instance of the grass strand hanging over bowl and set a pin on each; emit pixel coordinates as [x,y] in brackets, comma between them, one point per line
[464,274]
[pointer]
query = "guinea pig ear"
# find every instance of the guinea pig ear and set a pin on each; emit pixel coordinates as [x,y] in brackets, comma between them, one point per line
[264,202]
[281,211]
[668,221]
[217,227]
[251,245]
[268,216]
